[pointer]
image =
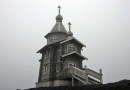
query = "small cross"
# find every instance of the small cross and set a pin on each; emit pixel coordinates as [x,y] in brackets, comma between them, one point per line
[59,8]
[69,25]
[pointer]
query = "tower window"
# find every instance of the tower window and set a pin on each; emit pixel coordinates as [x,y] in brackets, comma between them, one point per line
[46,68]
[57,67]
[46,55]
[49,39]
[71,65]
[70,48]
[54,37]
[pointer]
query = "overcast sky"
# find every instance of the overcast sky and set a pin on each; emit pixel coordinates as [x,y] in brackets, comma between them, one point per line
[102,25]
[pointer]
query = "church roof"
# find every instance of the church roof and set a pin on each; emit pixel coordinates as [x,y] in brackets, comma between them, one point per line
[72,38]
[58,27]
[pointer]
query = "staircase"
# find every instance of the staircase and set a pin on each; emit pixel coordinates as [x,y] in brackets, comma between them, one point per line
[86,76]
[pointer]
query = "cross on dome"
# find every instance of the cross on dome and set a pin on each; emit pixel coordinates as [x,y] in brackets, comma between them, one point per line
[59,18]
[69,25]
[59,8]
[69,32]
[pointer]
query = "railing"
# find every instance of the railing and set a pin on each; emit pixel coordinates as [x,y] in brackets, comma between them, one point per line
[79,72]
[83,75]
[94,74]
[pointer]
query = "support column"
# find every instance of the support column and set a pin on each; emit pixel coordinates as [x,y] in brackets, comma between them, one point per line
[101,81]
[72,80]
[72,75]
[86,74]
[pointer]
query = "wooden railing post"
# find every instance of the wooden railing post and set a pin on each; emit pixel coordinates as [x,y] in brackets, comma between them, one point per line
[100,71]
[86,78]
[72,67]
[72,80]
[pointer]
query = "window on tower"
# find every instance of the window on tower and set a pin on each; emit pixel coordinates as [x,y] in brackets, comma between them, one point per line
[45,55]
[70,48]
[46,68]
[71,65]
[54,37]
[57,67]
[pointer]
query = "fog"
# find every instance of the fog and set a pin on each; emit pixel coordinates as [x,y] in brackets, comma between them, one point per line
[102,25]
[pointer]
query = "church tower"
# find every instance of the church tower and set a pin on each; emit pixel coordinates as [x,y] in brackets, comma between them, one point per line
[61,61]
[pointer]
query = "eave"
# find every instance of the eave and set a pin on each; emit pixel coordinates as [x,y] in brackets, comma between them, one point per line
[74,53]
[39,51]
[53,33]
[46,46]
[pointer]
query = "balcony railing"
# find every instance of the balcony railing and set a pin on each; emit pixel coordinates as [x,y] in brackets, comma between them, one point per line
[85,75]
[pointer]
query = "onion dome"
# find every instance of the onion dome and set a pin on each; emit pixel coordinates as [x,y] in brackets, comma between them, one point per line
[59,18]
[70,33]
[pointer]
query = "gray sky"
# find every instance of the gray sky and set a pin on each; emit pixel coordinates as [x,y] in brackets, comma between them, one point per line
[102,25]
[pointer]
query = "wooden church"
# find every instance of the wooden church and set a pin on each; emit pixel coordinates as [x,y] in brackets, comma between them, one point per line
[61,61]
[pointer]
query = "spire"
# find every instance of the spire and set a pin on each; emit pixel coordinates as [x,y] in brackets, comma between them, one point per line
[59,27]
[59,18]
[69,32]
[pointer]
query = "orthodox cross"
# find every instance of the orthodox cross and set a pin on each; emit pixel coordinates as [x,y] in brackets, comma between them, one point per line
[69,25]
[59,9]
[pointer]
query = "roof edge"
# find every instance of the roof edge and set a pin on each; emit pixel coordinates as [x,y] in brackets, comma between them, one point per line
[74,52]
[72,39]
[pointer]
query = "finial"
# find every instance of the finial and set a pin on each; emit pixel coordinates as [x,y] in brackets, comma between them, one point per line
[59,18]
[70,33]
[69,26]
[59,8]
